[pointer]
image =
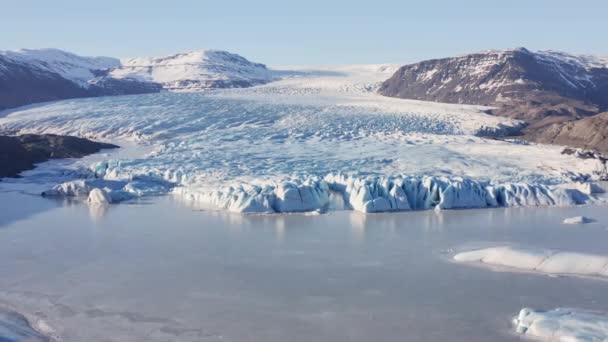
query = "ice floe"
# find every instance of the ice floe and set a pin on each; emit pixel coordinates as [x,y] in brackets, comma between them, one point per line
[578,220]
[554,262]
[567,325]
[16,327]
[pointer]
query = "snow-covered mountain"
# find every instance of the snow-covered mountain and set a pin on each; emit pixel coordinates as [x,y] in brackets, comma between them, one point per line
[195,70]
[30,76]
[78,69]
[516,76]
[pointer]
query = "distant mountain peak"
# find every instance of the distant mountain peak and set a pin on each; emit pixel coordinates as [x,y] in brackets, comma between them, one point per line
[195,70]
[515,76]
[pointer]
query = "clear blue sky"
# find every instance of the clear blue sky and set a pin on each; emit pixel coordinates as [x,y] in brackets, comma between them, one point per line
[305,31]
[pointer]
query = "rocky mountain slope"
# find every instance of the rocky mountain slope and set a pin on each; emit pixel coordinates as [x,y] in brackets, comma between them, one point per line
[194,71]
[589,133]
[30,76]
[544,88]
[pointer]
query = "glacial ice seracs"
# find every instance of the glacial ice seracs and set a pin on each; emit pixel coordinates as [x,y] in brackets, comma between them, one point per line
[363,194]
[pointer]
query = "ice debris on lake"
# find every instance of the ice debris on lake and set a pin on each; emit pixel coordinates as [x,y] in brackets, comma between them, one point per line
[104,191]
[16,327]
[544,261]
[99,196]
[577,220]
[562,325]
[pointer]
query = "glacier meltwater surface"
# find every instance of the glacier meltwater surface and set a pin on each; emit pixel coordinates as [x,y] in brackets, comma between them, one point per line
[315,140]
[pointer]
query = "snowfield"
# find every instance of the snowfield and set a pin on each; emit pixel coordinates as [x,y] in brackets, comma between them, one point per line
[317,139]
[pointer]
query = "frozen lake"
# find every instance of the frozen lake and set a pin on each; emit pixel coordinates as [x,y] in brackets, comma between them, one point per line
[159,271]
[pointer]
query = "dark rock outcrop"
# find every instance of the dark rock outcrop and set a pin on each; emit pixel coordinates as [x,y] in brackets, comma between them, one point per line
[20,153]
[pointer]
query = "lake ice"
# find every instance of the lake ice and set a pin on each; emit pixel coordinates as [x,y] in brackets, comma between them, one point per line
[157,271]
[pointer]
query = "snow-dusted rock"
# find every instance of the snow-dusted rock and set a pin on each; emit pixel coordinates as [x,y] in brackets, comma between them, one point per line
[538,260]
[562,325]
[577,220]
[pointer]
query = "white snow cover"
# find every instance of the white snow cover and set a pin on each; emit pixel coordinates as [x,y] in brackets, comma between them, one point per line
[196,70]
[538,260]
[567,325]
[319,139]
[78,69]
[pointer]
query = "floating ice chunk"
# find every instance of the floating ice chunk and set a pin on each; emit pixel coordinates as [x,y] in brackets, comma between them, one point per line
[505,256]
[110,191]
[99,196]
[15,327]
[77,188]
[577,220]
[538,260]
[562,325]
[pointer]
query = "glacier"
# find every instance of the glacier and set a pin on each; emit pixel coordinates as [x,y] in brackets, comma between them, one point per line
[317,139]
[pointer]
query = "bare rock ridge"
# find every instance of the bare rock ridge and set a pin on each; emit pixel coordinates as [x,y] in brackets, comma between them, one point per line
[20,153]
[31,76]
[547,89]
